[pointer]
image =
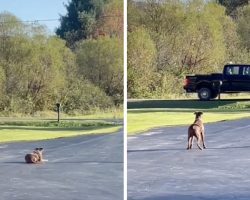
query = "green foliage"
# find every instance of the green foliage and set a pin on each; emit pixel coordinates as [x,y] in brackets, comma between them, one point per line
[37,71]
[135,15]
[34,68]
[141,60]
[189,37]
[243,20]
[111,21]
[94,29]
[80,20]
[101,62]
[232,5]
[83,96]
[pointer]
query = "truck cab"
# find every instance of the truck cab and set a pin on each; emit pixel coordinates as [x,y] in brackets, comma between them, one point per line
[234,79]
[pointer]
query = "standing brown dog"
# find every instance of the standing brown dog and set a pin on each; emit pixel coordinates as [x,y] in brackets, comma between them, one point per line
[35,157]
[196,130]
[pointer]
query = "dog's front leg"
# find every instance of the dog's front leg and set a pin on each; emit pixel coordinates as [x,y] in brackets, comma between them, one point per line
[198,143]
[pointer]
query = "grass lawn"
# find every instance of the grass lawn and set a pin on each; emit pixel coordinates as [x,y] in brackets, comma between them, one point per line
[28,133]
[38,128]
[144,115]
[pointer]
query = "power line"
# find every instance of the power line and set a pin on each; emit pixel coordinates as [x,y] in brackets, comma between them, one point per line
[58,19]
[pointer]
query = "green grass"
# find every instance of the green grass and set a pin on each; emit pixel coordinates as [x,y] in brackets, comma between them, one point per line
[44,127]
[148,114]
[62,124]
[27,133]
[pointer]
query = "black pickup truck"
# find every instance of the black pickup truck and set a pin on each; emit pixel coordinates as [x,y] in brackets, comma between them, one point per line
[235,79]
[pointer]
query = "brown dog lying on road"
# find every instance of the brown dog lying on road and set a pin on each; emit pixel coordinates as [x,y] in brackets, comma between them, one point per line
[196,130]
[35,157]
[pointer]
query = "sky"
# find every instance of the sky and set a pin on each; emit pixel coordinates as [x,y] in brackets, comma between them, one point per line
[29,10]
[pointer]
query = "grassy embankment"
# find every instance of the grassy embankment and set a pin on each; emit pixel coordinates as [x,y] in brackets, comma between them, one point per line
[144,115]
[41,128]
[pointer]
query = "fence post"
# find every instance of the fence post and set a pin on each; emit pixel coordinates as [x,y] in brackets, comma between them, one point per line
[58,111]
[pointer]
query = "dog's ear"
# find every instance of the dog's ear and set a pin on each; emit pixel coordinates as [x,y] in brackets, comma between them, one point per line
[195,113]
[38,149]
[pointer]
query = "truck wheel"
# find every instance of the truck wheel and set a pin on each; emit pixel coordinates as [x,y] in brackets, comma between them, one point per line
[204,94]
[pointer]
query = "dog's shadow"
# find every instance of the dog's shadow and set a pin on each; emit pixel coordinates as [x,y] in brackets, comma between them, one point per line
[233,147]
[68,162]
[14,162]
[181,149]
[154,150]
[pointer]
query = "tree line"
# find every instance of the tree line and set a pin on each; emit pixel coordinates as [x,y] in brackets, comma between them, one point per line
[171,39]
[81,67]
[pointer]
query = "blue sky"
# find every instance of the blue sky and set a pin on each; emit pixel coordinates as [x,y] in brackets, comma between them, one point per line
[29,10]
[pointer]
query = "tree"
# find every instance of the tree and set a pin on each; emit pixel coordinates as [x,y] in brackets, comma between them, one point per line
[110,22]
[37,70]
[80,20]
[82,97]
[232,5]
[243,20]
[101,62]
[135,15]
[189,37]
[141,60]
[32,66]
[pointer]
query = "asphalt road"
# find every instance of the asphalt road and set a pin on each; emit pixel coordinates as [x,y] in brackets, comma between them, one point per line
[160,167]
[78,168]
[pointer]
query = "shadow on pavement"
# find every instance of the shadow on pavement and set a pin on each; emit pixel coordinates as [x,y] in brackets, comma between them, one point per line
[65,162]
[179,149]
[193,197]
[188,103]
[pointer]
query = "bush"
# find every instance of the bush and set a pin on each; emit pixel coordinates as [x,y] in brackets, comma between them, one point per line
[83,96]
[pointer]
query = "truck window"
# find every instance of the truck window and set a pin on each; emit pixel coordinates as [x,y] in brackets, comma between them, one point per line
[246,71]
[233,70]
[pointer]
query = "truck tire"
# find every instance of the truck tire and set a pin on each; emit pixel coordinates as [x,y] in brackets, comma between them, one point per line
[204,94]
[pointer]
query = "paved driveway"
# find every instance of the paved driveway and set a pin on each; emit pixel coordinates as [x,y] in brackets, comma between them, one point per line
[79,168]
[160,167]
